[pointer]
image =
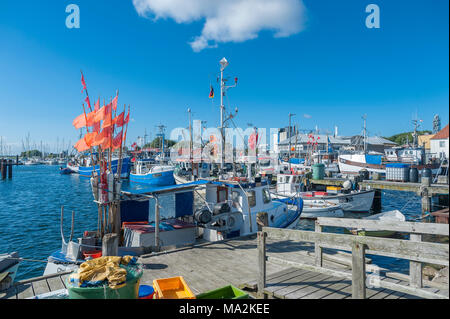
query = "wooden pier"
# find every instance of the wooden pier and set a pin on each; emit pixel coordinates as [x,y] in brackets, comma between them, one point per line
[425,189]
[293,264]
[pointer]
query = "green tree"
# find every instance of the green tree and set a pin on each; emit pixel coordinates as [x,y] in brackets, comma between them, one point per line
[156,143]
[31,153]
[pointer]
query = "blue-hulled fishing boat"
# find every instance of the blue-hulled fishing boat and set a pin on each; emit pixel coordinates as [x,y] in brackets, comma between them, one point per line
[145,172]
[85,168]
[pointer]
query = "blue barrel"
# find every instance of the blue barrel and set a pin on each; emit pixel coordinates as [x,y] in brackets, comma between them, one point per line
[414,175]
[318,171]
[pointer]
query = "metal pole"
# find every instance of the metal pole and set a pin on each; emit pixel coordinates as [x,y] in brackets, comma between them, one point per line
[221,118]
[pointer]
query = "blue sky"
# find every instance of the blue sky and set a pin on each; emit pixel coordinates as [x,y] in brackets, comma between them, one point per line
[333,69]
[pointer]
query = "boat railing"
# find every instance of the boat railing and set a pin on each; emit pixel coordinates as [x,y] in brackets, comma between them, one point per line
[415,250]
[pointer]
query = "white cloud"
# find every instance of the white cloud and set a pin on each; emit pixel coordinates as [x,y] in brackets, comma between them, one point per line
[230,20]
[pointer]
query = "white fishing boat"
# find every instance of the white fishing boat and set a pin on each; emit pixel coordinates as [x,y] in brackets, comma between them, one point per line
[350,200]
[321,208]
[391,216]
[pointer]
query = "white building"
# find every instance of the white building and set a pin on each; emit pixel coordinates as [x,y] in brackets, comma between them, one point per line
[439,144]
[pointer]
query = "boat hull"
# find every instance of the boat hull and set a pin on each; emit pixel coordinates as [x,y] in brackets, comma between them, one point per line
[157,179]
[353,202]
[86,171]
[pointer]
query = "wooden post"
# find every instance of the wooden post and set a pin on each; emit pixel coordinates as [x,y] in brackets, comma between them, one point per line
[358,271]
[415,268]
[426,204]
[261,264]
[3,168]
[262,220]
[157,223]
[10,165]
[110,245]
[317,247]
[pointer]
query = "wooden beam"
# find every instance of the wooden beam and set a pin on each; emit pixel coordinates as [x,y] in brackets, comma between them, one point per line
[358,271]
[317,248]
[422,251]
[407,227]
[415,268]
[261,239]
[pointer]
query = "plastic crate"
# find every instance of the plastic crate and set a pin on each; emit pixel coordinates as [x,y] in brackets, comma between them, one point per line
[172,288]
[227,292]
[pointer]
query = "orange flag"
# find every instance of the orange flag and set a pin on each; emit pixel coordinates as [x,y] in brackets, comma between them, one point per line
[107,122]
[80,121]
[89,138]
[81,145]
[104,135]
[103,113]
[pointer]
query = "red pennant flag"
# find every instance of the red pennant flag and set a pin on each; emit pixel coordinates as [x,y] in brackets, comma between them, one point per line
[83,82]
[119,120]
[117,141]
[114,102]
[88,102]
[97,105]
[127,118]
[96,127]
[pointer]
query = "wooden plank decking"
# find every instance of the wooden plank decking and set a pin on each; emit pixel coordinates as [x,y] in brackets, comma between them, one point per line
[213,265]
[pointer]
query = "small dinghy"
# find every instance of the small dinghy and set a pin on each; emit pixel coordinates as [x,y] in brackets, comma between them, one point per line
[321,208]
[393,215]
[65,171]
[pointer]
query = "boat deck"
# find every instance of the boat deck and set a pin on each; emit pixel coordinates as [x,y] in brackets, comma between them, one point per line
[210,266]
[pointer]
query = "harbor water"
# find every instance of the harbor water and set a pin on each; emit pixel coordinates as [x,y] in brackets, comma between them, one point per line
[30,211]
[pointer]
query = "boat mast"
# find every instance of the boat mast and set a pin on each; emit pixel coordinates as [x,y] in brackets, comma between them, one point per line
[190,144]
[223,88]
[289,129]
[365,143]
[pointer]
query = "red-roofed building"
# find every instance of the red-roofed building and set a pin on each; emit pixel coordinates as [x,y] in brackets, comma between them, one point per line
[439,143]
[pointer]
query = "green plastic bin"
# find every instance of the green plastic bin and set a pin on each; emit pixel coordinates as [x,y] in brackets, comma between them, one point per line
[227,292]
[318,171]
[129,291]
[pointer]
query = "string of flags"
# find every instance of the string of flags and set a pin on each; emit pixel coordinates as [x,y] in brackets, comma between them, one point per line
[100,124]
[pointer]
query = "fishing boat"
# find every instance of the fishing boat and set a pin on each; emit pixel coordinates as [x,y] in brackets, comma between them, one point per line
[84,166]
[9,263]
[321,208]
[146,172]
[349,199]
[391,216]
[229,208]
